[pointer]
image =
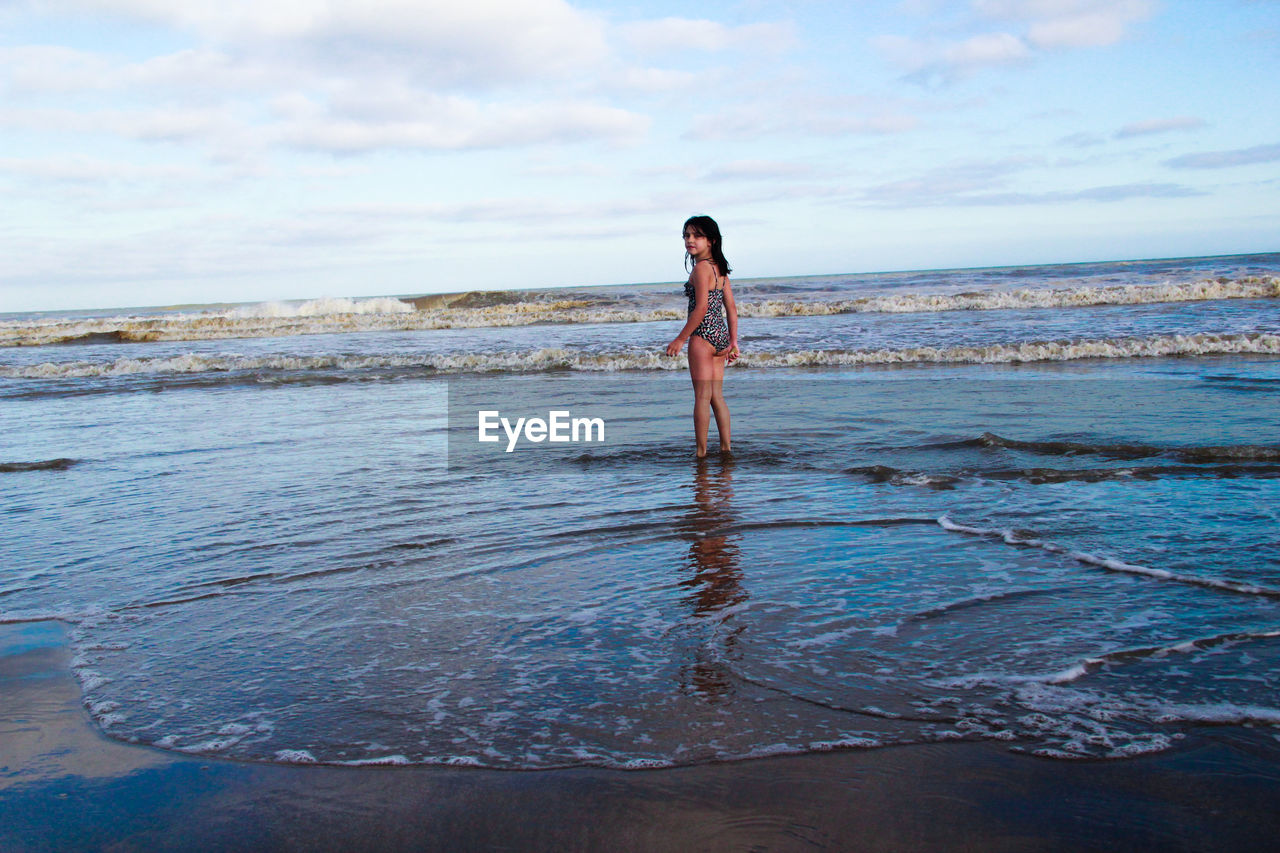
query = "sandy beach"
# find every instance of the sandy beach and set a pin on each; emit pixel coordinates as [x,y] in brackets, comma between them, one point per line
[65,786]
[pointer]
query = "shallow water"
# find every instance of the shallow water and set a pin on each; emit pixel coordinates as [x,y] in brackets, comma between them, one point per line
[1074,558]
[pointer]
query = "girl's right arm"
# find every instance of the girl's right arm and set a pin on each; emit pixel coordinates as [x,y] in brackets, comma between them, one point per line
[731,317]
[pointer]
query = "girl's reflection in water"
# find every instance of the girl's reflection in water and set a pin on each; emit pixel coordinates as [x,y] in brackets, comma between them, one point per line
[713,579]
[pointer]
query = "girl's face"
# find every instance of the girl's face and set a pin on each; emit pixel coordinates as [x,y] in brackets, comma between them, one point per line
[696,244]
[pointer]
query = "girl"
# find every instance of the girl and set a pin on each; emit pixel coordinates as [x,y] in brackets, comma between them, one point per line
[711,330]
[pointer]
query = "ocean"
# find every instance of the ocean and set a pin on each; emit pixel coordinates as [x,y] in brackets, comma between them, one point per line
[1035,506]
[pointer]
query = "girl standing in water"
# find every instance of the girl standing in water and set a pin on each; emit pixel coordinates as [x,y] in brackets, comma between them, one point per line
[711,330]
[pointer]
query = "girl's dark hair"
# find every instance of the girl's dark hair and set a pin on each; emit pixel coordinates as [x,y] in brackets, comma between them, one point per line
[707,227]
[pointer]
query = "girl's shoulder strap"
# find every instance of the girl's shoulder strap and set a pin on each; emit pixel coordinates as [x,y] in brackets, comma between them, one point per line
[715,273]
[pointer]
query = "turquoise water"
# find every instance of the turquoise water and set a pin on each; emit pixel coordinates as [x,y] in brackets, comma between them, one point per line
[292,548]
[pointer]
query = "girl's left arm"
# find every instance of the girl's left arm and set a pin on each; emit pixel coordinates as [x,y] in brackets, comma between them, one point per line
[731,317]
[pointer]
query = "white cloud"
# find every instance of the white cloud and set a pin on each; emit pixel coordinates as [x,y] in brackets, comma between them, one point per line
[152,125]
[683,34]
[52,68]
[399,75]
[651,80]
[961,192]
[76,168]
[473,43]
[455,123]
[943,62]
[819,116]
[945,183]
[43,70]
[758,170]
[1070,23]
[985,49]
[1029,26]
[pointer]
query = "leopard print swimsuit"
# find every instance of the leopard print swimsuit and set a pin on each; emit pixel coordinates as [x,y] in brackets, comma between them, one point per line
[714,328]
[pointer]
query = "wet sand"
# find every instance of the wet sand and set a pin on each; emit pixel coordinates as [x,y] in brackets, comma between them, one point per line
[65,786]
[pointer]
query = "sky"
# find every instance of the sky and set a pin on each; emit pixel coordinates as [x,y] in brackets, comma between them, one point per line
[155,152]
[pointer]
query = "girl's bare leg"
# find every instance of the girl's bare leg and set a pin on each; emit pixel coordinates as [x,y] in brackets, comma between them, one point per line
[718,405]
[702,371]
[707,373]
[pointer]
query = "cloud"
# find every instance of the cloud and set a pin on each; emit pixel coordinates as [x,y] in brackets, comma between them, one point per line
[80,168]
[53,70]
[1082,140]
[455,123]
[650,80]
[341,76]
[148,125]
[983,183]
[817,116]
[1122,192]
[1159,125]
[947,182]
[474,43]
[944,62]
[758,170]
[682,34]
[1030,27]
[1112,193]
[1070,23]
[1226,159]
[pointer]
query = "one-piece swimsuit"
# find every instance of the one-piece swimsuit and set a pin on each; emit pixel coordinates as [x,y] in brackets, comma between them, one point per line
[713,329]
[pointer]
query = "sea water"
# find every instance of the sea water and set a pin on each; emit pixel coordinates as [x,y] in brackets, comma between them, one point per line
[1035,506]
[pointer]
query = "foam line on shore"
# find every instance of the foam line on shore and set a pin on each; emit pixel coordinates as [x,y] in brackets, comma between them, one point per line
[1024,539]
[1087,666]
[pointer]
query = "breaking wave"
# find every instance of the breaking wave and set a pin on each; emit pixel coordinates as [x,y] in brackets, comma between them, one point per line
[555,359]
[1076,297]
[520,308]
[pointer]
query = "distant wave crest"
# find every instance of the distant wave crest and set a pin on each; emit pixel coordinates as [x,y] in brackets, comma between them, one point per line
[1076,297]
[485,309]
[325,307]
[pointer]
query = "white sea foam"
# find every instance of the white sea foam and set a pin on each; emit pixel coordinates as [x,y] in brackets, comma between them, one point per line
[463,761]
[845,743]
[90,680]
[394,760]
[1221,713]
[219,744]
